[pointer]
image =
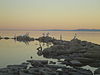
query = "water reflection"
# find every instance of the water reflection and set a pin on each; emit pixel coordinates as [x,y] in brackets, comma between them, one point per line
[40,48]
[6,47]
[24,38]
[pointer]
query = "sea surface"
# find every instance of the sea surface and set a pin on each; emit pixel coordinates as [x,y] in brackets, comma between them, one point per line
[14,52]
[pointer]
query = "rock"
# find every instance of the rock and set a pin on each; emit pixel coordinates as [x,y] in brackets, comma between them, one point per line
[17,67]
[95,64]
[39,53]
[75,63]
[55,66]
[23,73]
[51,62]
[93,53]
[40,61]
[6,38]
[82,51]
[47,69]
[24,38]
[85,60]
[83,71]
[97,72]
[46,39]
[61,42]
[65,62]
[3,70]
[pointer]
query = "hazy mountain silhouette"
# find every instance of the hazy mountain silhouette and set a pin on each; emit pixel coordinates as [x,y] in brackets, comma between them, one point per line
[71,30]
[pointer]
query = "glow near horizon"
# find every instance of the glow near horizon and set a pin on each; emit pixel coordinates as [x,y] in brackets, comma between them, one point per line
[49,14]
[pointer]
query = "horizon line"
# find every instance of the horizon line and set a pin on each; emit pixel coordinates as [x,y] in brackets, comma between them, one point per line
[49,29]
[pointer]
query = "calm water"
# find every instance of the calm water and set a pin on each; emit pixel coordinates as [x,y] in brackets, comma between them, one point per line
[14,52]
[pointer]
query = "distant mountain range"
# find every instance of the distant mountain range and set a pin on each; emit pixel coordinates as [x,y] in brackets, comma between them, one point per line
[71,30]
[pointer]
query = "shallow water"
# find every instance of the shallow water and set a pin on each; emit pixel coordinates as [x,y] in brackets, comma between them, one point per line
[14,52]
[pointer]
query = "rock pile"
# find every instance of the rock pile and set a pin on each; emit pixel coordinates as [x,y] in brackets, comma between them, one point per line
[75,52]
[41,67]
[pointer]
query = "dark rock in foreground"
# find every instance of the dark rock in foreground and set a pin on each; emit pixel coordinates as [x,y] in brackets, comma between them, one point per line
[41,67]
[97,72]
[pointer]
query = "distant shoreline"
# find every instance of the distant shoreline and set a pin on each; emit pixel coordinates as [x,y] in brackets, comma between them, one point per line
[50,30]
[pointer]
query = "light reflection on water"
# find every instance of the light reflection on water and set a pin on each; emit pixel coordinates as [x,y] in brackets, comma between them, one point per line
[14,52]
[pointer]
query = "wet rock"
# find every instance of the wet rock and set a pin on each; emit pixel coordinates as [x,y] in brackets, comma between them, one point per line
[38,71]
[97,72]
[12,69]
[61,42]
[46,39]
[24,38]
[93,52]
[3,70]
[82,51]
[75,63]
[6,38]
[55,67]
[65,62]
[38,63]
[22,66]
[52,62]
[43,70]
[83,71]
[41,61]
[39,53]
[54,51]
[85,60]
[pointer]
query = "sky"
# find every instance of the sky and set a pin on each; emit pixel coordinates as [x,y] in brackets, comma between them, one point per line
[49,14]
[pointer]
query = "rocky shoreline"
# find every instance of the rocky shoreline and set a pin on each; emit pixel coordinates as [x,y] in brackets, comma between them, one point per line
[81,52]
[75,53]
[43,67]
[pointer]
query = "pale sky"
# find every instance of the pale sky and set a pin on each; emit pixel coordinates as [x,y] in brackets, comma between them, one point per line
[49,14]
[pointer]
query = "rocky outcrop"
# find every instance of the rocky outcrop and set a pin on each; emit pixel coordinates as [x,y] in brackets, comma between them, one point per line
[46,69]
[24,38]
[45,39]
[85,53]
